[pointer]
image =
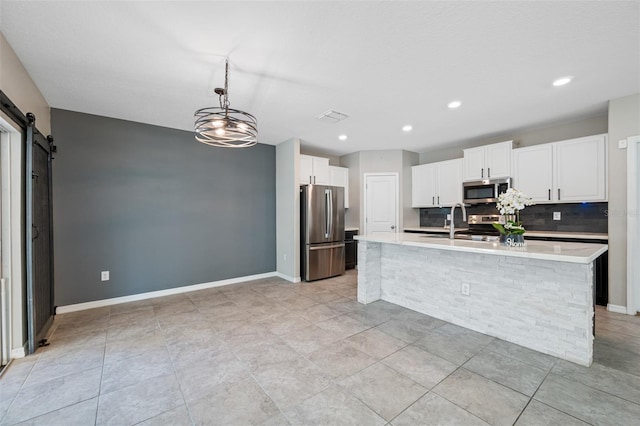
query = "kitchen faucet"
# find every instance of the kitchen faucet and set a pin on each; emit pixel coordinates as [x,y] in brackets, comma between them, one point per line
[452,226]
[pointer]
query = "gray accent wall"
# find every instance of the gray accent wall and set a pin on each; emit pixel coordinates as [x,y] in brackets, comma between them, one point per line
[155,208]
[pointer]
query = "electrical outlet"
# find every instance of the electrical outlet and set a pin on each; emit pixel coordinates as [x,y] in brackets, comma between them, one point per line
[464,289]
[622,144]
[104,276]
[448,216]
[557,216]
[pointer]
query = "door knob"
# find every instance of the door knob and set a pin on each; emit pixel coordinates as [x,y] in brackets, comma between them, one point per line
[393,227]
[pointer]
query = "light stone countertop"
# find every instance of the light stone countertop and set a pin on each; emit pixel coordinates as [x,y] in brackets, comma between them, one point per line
[434,229]
[559,234]
[349,228]
[546,234]
[544,250]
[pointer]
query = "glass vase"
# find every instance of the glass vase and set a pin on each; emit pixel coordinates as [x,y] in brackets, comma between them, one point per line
[512,240]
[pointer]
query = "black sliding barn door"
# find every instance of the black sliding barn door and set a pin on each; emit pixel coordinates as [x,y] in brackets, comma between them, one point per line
[38,224]
[39,233]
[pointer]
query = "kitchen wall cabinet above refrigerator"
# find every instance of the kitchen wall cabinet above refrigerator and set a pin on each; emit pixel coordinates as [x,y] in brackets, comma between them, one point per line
[487,162]
[339,176]
[314,170]
[436,184]
[570,171]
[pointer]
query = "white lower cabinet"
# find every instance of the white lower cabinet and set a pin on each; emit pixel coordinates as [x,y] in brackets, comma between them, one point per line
[568,171]
[436,184]
[339,176]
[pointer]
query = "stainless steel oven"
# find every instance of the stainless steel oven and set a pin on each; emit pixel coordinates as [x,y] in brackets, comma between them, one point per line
[484,191]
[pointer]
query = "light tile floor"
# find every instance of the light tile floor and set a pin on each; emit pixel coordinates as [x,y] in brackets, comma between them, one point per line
[274,353]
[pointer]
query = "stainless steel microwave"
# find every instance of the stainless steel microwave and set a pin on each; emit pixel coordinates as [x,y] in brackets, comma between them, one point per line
[484,191]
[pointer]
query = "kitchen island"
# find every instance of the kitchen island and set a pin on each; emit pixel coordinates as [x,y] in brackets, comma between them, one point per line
[539,296]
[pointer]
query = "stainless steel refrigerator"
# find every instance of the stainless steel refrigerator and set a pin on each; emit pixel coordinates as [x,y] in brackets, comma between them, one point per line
[322,231]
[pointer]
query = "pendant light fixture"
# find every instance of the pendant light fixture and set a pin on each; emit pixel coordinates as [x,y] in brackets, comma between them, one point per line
[223,126]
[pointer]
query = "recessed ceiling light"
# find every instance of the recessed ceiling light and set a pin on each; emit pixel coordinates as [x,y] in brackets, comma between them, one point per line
[454,104]
[562,81]
[407,128]
[342,137]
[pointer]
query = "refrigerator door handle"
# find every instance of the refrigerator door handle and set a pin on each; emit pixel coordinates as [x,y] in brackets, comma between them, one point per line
[332,213]
[327,211]
[326,247]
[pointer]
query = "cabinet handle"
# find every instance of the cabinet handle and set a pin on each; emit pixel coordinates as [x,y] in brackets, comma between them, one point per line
[482,172]
[438,200]
[549,194]
[488,172]
[433,200]
[558,194]
[314,179]
[310,182]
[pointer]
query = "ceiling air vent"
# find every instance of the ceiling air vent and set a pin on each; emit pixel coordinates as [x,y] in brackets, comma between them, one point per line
[331,116]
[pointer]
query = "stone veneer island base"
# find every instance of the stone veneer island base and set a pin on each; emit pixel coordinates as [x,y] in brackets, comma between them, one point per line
[539,296]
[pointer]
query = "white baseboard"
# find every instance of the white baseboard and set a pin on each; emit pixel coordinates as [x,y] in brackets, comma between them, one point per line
[287,277]
[159,293]
[19,352]
[616,308]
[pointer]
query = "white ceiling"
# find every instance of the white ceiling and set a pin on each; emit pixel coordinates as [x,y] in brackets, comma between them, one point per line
[385,64]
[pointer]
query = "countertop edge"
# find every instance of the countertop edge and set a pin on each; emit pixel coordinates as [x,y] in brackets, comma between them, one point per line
[474,247]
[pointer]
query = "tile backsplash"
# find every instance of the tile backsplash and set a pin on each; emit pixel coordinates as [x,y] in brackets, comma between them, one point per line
[579,217]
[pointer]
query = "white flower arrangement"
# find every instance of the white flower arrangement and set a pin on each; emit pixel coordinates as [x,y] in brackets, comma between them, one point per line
[510,203]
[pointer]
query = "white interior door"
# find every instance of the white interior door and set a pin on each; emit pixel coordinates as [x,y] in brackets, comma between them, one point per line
[381,203]
[633,225]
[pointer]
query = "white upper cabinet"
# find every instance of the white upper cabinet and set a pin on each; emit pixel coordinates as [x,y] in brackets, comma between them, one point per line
[423,185]
[580,172]
[450,182]
[533,171]
[487,162]
[498,159]
[339,176]
[436,184]
[306,169]
[473,167]
[568,171]
[314,170]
